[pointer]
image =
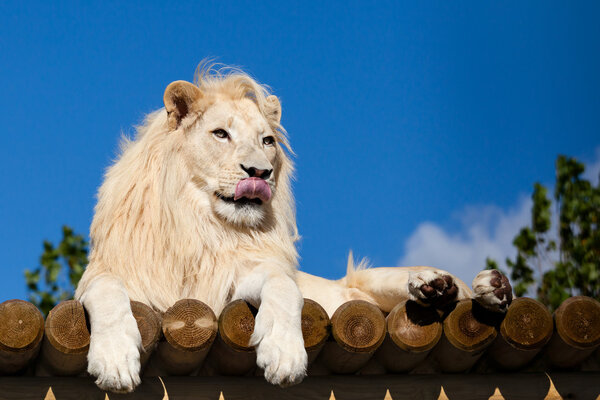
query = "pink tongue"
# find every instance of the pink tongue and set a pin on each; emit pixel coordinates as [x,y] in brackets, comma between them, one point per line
[253,188]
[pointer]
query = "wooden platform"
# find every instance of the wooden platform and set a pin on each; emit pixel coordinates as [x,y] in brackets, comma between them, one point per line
[414,352]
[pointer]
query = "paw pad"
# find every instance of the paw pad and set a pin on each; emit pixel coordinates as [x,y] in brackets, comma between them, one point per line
[439,292]
[503,288]
[493,290]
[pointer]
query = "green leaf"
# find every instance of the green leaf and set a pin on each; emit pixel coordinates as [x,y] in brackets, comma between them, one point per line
[490,264]
[60,269]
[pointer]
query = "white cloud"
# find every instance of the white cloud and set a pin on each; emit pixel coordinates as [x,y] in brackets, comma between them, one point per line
[482,231]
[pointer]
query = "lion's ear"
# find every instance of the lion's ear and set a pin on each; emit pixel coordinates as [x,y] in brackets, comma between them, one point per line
[179,98]
[273,109]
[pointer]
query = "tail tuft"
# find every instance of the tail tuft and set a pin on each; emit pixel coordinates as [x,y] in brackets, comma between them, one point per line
[352,269]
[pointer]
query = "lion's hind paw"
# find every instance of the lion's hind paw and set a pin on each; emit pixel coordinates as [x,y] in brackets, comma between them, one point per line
[431,287]
[492,290]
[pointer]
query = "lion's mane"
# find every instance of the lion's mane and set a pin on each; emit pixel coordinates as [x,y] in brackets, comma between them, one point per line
[151,231]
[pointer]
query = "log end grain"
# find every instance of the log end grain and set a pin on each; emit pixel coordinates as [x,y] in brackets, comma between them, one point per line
[358,326]
[21,326]
[528,324]
[189,325]
[315,325]
[236,325]
[413,327]
[66,328]
[466,330]
[578,322]
[148,323]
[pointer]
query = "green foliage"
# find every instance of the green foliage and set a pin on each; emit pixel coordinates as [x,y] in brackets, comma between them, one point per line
[579,233]
[490,264]
[577,269]
[59,271]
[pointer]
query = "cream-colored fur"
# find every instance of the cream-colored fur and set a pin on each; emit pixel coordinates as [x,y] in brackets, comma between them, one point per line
[384,286]
[166,227]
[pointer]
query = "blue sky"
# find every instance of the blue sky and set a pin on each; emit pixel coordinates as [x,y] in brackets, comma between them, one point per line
[410,120]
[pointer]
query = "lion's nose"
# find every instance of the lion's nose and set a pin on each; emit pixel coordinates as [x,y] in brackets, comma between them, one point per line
[257,173]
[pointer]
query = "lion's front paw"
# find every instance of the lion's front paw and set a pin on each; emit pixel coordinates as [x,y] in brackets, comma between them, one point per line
[492,290]
[282,356]
[431,287]
[114,357]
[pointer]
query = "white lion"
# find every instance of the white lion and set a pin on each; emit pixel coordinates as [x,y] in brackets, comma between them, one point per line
[199,206]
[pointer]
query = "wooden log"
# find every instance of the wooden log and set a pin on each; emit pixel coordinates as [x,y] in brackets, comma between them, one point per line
[577,332]
[66,342]
[189,328]
[149,325]
[525,330]
[412,331]
[232,354]
[468,331]
[316,327]
[21,332]
[358,329]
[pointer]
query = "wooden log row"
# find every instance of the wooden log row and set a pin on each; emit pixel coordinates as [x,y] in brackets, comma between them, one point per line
[188,338]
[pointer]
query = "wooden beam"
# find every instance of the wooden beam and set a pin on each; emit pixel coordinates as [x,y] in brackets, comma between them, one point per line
[400,387]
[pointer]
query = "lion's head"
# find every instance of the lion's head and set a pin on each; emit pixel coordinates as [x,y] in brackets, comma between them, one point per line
[202,189]
[231,141]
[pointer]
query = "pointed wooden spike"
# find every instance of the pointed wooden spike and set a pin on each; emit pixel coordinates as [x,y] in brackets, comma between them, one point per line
[497,395]
[106,396]
[166,396]
[221,396]
[388,396]
[50,394]
[332,396]
[552,392]
[443,394]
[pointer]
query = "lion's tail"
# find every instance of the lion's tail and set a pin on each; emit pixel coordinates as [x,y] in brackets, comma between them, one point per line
[353,271]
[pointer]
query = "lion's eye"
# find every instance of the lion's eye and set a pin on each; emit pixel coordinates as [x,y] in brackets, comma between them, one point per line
[268,140]
[220,133]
